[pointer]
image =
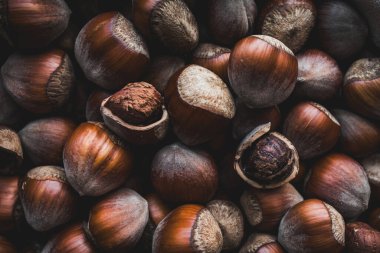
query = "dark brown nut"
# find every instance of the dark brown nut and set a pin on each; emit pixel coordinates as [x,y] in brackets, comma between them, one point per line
[374,219]
[359,137]
[361,237]
[161,69]
[341,30]
[289,21]
[136,114]
[110,51]
[47,198]
[214,58]
[312,226]
[229,21]
[95,160]
[312,129]
[319,77]
[261,243]
[170,21]
[369,9]
[264,209]
[6,246]
[341,182]
[199,103]
[71,239]
[93,105]
[40,83]
[43,140]
[8,200]
[31,23]
[270,63]
[117,222]
[177,168]
[361,86]
[230,220]
[11,155]
[266,159]
[371,166]
[188,228]
[247,119]
[11,114]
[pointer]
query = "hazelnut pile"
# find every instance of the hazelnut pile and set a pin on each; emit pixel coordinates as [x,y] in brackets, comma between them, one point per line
[190,126]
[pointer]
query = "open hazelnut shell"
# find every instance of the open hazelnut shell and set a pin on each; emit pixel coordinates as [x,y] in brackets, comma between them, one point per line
[276,181]
[141,135]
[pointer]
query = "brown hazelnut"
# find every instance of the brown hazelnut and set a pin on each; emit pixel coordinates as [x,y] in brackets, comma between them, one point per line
[361,86]
[359,137]
[341,30]
[30,23]
[214,58]
[95,160]
[270,63]
[230,220]
[289,21]
[71,239]
[188,228]
[41,82]
[247,119]
[117,221]
[261,243]
[266,159]
[264,209]
[161,69]
[136,113]
[341,182]
[229,21]
[11,113]
[371,167]
[47,198]
[361,237]
[43,140]
[169,166]
[170,21]
[199,104]
[11,154]
[8,200]
[124,63]
[312,226]
[312,129]
[319,77]
[93,105]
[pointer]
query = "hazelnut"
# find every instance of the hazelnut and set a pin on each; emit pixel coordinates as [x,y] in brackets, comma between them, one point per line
[371,167]
[264,209]
[169,166]
[117,221]
[199,104]
[43,140]
[341,30]
[111,69]
[361,237]
[346,181]
[319,77]
[230,220]
[8,201]
[266,159]
[261,243]
[312,129]
[11,154]
[11,114]
[41,82]
[270,63]
[312,226]
[361,84]
[95,160]
[136,113]
[188,228]
[288,21]
[47,198]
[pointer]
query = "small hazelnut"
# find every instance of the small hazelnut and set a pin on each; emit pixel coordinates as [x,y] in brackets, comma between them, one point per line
[360,238]
[371,167]
[261,243]
[8,199]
